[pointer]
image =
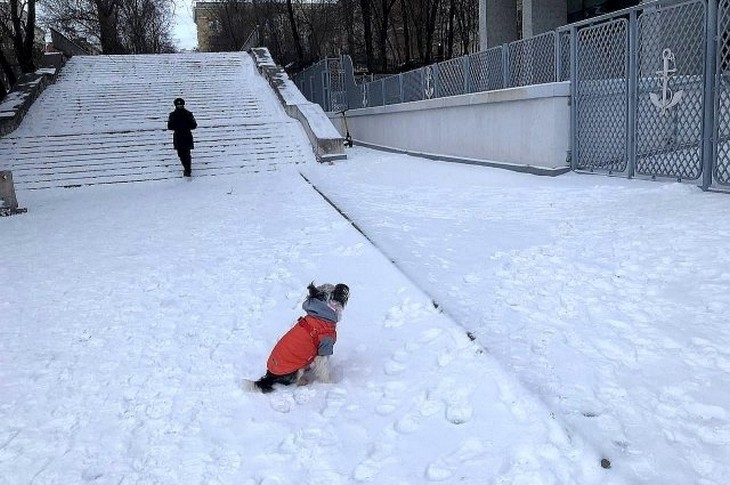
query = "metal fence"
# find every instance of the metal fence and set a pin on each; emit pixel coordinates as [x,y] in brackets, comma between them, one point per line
[650,87]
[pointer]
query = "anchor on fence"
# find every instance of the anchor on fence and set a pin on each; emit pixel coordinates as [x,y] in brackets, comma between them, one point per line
[428,88]
[668,98]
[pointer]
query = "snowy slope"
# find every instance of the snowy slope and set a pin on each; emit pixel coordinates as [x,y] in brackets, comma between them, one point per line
[609,298]
[133,313]
[104,121]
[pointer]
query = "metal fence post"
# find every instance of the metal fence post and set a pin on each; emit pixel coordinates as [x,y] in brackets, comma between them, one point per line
[505,65]
[436,83]
[382,91]
[557,56]
[632,104]
[467,75]
[400,87]
[708,123]
[573,98]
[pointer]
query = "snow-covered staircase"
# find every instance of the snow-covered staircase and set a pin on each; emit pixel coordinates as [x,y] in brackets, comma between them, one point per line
[105,120]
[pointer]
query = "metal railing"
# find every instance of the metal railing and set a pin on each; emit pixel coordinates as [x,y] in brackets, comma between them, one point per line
[650,87]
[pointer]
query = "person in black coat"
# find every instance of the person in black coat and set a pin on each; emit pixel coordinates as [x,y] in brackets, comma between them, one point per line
[182,121]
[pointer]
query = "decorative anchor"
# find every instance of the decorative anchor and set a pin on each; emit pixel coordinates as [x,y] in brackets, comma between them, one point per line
[428,81]
[668,98]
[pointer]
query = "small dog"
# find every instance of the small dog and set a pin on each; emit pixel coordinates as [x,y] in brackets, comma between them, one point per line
[309,343]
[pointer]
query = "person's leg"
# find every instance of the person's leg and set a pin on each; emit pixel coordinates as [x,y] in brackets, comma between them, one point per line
[186,160]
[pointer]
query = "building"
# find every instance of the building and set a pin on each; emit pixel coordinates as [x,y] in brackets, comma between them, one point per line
[502,21]
[205,21]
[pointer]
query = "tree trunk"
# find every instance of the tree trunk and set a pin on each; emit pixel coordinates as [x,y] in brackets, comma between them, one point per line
[450,40]
[406,34]
[108,27]
[8,71]
[23,33]
[367,20]
[386,7]
[430,30]
[295,32]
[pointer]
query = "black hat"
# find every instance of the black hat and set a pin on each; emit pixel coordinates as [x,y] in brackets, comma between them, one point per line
[179,102]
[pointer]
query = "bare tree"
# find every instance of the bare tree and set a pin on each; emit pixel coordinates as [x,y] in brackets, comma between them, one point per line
[144,26]
[17,24]
[367,20]
[116,26]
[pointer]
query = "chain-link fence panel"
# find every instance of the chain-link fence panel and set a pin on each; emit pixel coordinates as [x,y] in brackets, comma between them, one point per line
[532,61]
[564,67]
[413,85]
[450,78]
[391,90]
[375,93]
[670,90]
[722,162]
[602,97]
[486,71]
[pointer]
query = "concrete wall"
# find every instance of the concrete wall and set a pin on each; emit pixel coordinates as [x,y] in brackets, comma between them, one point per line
[326,141]
[524,127]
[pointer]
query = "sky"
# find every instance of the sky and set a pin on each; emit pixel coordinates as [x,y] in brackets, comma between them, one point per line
[502,328]
[184,30]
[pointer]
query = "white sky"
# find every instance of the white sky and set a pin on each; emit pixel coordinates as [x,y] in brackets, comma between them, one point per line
[184,31]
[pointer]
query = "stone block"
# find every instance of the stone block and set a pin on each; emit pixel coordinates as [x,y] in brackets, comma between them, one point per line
[8,200]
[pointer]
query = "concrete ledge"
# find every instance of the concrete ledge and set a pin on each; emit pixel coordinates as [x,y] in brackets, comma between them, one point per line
[326,141]
[526,126]
[534,170]
[16,104]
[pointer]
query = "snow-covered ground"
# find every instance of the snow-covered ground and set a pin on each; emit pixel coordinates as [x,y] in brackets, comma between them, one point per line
[129,315]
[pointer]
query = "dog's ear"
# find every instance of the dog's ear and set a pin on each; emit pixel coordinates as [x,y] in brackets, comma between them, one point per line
[314,292]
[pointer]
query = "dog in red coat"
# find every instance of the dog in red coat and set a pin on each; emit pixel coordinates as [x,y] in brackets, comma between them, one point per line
[310,342]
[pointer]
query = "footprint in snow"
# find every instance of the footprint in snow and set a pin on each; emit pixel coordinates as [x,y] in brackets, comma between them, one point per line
[281,402]
[334,400]
[389,401]
[380,454]
[396,364]
[444,468]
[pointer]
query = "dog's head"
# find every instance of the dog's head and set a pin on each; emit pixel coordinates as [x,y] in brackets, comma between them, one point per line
[329,293]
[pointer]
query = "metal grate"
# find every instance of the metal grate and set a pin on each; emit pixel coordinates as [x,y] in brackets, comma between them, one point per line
[375,93]
[564,43]
[722,162]
[602,97]
[485,70]
[391,89]
[669,107]
[413,85]
[450,78]
[532,61]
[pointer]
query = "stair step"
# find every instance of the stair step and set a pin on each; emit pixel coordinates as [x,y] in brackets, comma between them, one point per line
[105,120]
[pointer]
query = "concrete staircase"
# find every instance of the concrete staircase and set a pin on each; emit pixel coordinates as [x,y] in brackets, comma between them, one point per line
[105,120]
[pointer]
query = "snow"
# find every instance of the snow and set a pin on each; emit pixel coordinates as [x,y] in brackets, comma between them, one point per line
[502,328]
[130,314]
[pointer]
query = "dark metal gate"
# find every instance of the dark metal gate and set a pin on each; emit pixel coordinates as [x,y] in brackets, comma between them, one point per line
[651,92]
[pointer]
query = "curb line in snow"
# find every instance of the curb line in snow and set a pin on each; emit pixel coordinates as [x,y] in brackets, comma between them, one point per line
[435,303]
[605,462]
